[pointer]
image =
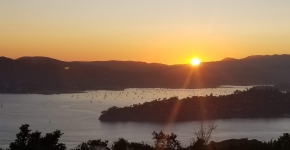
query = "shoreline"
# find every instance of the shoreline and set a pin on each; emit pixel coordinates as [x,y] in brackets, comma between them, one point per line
[48,92]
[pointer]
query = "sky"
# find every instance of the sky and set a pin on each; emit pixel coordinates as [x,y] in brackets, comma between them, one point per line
[162,31]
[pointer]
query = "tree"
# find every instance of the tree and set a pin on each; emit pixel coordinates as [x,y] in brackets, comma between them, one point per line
[22,139]
[93,145]
[165,141]
[121,144]
[140,146]
[283,142]
[202,137]
[33,141]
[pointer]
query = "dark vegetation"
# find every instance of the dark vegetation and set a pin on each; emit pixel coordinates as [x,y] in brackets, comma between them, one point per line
[25,140]
[49,76]
[252,103]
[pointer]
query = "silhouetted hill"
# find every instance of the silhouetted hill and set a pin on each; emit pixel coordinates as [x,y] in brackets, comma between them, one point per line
[255,61]
[229,59]
[44,75]
[38,60]
[129,65]
[283,86]
[47,75]
[5,63]
[252,103]
[3,59]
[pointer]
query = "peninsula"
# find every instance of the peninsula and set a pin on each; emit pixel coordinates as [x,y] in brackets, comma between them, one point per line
[251,103]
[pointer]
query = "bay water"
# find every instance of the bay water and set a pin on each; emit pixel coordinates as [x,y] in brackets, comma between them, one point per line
[76,115]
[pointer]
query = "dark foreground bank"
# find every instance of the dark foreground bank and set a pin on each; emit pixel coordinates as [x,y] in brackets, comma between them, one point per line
[27,140]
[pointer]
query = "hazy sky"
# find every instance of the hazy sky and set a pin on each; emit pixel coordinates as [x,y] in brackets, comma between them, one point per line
[164,31]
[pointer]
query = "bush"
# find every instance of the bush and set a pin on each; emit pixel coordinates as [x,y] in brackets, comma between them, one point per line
[202,137]
[165,141]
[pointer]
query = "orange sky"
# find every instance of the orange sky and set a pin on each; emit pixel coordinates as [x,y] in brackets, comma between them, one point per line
[163,31]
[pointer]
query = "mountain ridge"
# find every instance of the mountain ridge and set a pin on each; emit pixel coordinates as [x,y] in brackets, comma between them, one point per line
[47,75]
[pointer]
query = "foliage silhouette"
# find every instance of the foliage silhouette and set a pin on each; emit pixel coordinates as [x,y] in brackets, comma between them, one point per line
[202,136]
[283,142]
[33,141]
[123,144]
[165,141]
[93,145]
[25,140]
[140,146]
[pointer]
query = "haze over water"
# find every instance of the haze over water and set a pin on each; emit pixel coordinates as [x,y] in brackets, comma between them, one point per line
[76,115]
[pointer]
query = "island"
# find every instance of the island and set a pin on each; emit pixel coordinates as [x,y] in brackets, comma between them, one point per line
[251,103]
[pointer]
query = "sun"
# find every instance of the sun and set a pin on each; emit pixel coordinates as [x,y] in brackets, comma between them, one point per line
[195,61]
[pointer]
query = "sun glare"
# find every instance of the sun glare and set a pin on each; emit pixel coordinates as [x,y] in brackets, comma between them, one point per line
[195,61]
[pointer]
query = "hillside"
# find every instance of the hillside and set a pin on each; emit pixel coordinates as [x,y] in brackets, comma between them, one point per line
[46,75]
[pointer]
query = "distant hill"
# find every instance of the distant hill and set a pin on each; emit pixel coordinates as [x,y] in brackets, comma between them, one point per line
[229,59]
[283,86]
[128,65]
[47,75]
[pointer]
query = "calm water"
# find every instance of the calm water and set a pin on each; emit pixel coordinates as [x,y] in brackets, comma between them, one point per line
[76,115]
